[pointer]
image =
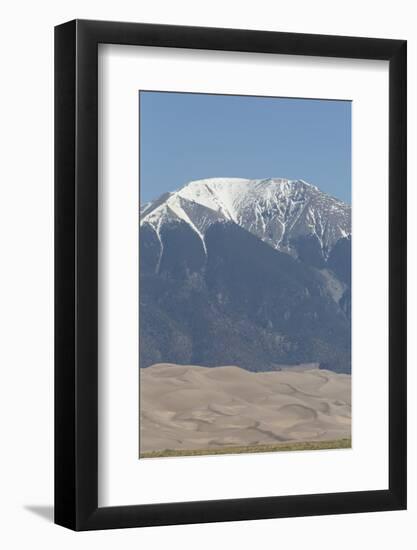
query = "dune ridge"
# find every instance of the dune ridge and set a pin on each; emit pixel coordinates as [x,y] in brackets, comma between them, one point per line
[189,407]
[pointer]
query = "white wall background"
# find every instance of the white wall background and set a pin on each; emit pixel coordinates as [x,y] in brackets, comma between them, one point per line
[26,289]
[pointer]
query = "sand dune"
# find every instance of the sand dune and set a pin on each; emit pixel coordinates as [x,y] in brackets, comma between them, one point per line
[191,407]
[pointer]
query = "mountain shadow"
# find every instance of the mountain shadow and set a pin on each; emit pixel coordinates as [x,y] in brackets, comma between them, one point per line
[235,300]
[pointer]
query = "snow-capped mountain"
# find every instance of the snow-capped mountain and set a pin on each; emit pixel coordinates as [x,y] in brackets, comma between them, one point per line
[279,211]
[254,273]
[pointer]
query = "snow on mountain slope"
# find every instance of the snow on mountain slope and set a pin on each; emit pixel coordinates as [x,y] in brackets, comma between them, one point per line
[278,211]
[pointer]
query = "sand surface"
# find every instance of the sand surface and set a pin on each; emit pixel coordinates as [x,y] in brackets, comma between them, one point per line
[191,407]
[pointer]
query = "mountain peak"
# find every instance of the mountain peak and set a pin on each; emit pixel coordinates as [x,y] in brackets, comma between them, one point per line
[277,210]
[218,183]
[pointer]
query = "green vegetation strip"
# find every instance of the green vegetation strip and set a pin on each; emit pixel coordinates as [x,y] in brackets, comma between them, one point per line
[299,446]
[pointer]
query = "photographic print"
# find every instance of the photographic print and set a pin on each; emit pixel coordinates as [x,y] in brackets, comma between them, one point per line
[245,274]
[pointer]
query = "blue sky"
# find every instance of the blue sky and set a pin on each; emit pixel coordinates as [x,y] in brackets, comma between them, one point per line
[184,137]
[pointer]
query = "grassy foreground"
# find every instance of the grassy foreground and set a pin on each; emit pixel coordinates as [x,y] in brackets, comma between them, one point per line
[300,446]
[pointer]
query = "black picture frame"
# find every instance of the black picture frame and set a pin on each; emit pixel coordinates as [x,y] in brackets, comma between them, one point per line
[76,272]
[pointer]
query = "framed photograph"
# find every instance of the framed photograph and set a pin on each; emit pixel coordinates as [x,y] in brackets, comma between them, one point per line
[230,245]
